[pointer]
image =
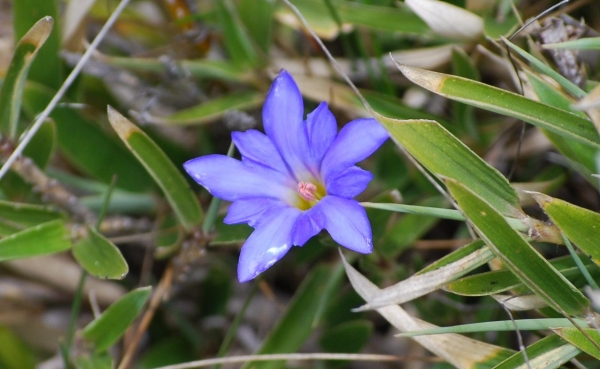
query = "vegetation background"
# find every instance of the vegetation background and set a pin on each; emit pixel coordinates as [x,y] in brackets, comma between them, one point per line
[111,257]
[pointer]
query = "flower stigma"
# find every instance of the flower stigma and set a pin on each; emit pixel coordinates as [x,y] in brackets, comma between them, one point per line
[310,194]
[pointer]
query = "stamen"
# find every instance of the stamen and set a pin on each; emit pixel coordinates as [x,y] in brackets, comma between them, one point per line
[307,191]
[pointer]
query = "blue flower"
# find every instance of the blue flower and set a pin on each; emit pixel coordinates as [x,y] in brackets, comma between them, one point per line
[295,181]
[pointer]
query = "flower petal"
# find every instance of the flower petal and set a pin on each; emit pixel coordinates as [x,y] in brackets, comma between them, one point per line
[355,142]
[347,223]
[321,129]
[231,180]
[349,183]
[308,225]
[283,121]
[250,210]
[268,243]
[257,148]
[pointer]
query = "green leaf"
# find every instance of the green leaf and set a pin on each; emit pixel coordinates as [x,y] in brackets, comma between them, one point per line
[27,215]
[454,256]
[212,110]
[46,69]
[519,256]
[239,46]
[41,146]
[464,115]
[11,93]
[588,43]
[86,145]
[104,331]
[504,102]
[540,66]
[498,326]
[43,239]
[296,325]
[100,257]
[498,281]
[581,226]
[443,154]
[257,16]
[577,339]
[550,352]
[14,354]
[227,234]
[582,156]
[165,174]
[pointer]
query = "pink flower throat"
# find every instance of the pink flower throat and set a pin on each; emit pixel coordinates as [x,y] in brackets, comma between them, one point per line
[307,190]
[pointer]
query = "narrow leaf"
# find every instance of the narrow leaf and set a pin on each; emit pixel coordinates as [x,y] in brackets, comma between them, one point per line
[104,331]
[520,257]
[499,326]
[170,180]
[550,352]
[11,93]
[504,102]
[576,338]
[448,20]
[43,239]
[588,43]
[580,225]
[100,257]
[460,351]
[443,154]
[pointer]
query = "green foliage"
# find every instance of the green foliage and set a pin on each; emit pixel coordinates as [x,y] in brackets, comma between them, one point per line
[450,217]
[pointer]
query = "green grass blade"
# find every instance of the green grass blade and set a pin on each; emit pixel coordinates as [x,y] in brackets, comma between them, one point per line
[100,257]
[237,41]
[538,65]
[498,281]
[588,43]
[582,226]
[169,179]
[454,256]
[257,16]
[507,103]
[43,239]
[577,339]
[11,93]
[443,154]
[550,352]
[498,326]
[519,256]
[212,110]
[104,331]
[46,69]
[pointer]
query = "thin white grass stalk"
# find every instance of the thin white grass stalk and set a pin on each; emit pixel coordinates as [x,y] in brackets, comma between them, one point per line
[297,357]
[61,91]
[522,347]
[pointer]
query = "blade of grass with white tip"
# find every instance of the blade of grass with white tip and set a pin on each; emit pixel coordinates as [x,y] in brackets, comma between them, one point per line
[538,65]
[460,351]
[581,225]
[498,281]
[504,102]
[448,20]
[43,239]
[519,256]
[169,179]
[588,43]
[520,303]
[100,257]
[443,154]
[454,256]
[576,338]
[210,111]
[11,93]
[499,326]
[422,284]
[104,331]
[550,352]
